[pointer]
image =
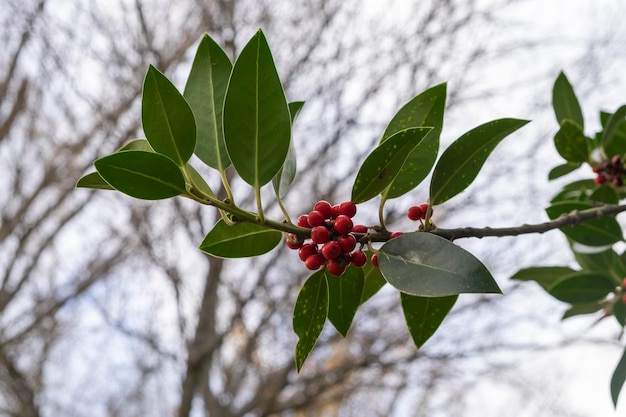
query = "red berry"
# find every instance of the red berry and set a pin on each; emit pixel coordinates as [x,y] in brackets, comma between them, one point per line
[624,283]
[343,224]
[616,160]
[292,242]
[316,218]
[331,250]
[415,213]
[320,234]
[336,267]
[425,207]
[334,210]
[618,181]
[303,221]
[375,260]
[359,228]
[600,179]
[358,258]
[395,235]
[307,250]
[347,242]
[314,262]
[624,298]
[347,208]
[323,207]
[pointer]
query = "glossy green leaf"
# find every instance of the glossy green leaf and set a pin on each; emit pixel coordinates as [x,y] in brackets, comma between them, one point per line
[605,194]
[595,232]
[424,315]
[167,119]
[241,240]
[619,311]
[614,133]
[460,163]
[576,191]
[582,309]
[618,379]
[427,265]
[374,281]
[383,164]
[607,262]
[309,315]
[344,296]
[136,145]
[424,110]
[199,182]
[205,91]
[545,276]
[257,123]
[582,287]
[562,170]
[565,103]
[95,181]
[287,174]
[141,174]
[571,143]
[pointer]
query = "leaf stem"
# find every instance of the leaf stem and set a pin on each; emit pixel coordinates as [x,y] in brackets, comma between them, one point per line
[226,185]
[381,217]
[259,205]
[282,208]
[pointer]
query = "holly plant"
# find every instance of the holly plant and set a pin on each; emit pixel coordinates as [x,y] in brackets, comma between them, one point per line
[237,115]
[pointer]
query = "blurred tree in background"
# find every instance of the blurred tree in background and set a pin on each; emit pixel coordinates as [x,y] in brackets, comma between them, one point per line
[101,316]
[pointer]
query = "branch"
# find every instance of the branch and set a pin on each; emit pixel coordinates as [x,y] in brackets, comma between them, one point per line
[570,219]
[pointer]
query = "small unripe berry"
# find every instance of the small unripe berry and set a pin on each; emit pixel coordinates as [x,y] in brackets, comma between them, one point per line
[343,224]
[336,267]
[347,242]
[323,207]
[307,250]
[375,260]
[358,258]
[395,235]
[331,250]
[316,218]
[320,234]
[303,221]
[415,213]
[314,262]
[347,208]
[359,228]
[292,242]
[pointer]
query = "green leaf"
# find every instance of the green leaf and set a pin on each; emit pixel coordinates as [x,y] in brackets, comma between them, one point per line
[424,110]
[344,296]
[423,315]
[136,145]
[240,240]
[565,102]
[619,311]
[374,280]
[576,191]
[582,287]
[141,174]
[309,315]
[545,276]
[199,182]
[595,232]
[618,379]
[607,262]
[428,265]
[571,143]
[167,118]
[605,194]
[562,170]
[581,309]
[257,123]
[284,178]
[205,91]
[614,133]
[460,163]
[383,164]
[95,181]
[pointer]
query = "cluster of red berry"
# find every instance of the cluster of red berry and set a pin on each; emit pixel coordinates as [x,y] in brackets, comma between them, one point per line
[610,172]
[333,244]
[418,212]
